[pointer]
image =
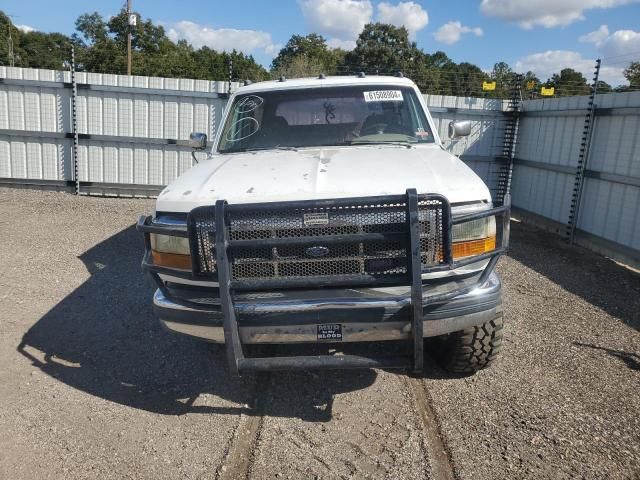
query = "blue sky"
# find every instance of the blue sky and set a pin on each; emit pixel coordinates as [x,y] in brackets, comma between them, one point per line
[538,35]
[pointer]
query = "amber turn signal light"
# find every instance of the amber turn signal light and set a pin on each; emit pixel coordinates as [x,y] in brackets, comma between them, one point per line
[473,247]
[171,260]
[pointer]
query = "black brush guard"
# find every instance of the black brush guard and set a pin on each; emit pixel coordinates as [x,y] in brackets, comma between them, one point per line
[225,247]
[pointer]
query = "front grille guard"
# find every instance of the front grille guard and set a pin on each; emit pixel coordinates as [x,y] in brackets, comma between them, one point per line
[239,363]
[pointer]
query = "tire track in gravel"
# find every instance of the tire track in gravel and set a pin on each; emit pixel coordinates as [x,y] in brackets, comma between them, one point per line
[239,453]
[437,452]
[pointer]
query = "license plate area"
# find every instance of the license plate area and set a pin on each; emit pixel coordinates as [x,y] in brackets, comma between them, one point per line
[329,332]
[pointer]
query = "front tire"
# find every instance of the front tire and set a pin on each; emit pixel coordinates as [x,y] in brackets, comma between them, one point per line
[467,351]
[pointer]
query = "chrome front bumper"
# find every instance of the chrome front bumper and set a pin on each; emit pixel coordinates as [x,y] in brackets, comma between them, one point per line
[365,314]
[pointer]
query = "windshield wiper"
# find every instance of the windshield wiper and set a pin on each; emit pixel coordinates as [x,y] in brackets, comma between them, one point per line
[406,144]
[277,147]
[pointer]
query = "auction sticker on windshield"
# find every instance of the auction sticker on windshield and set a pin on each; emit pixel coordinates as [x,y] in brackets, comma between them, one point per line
[383,96]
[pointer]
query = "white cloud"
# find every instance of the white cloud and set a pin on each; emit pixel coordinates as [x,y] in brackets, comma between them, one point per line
[343,44]
[547,13]
[621,42]
[451,32]
[617,44]
[407,14]
[225,39]
[25,28]
[342,19]
[596,36]
[545,64]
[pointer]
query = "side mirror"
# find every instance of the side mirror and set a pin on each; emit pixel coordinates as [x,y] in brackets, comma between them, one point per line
[198,141]
[459,129]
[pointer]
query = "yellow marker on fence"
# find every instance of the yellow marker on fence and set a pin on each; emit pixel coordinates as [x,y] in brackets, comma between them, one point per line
[489,86]
[547,92]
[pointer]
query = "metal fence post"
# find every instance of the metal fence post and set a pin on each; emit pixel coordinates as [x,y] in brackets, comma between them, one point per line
[74,119]
[583,158]
[510,139]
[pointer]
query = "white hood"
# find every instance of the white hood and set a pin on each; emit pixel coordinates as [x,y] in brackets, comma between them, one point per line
[270,176]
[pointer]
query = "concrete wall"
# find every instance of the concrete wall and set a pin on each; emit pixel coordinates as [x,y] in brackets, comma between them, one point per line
[128,126]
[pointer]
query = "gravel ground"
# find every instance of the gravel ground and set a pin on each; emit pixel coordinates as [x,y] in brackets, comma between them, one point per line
[92,387]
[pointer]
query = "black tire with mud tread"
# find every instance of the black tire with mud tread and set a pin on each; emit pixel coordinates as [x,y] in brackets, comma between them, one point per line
[467,351]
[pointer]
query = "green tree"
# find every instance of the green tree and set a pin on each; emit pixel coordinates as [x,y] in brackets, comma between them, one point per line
[244,67]
[384,49]
[145,36]
[632,74]
[504,77]
[431,72]
[569,82]
[100,52]
[438,59]
[530,85]
[307,55]
[154,54]
[92,27]
[10,42]
[167,59]
[46,50]
[300,66]
[604,87]
[469,80]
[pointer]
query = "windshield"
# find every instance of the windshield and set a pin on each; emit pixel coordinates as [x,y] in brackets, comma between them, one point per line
[329,116]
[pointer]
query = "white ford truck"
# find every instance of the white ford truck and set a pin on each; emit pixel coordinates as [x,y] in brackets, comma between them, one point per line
[329,211]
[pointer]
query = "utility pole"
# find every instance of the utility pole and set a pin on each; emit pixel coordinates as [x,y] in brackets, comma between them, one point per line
[130,24]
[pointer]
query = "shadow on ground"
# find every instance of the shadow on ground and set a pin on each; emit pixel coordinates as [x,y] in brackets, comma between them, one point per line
[596,279]
[103,339]
[631,360]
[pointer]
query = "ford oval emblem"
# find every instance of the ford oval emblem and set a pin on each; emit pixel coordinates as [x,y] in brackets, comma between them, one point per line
[317,251]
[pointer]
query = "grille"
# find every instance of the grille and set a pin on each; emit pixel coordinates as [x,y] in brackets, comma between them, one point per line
[431,236]
[378,258]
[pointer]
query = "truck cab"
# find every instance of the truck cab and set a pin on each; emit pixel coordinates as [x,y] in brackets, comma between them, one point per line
[328,211]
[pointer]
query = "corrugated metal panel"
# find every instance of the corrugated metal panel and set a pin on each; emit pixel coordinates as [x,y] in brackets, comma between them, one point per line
[609,209]
[616,139]
[123,109]
[34,158]
[541,191]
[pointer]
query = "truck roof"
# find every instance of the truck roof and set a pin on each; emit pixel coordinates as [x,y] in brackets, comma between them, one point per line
[333,81]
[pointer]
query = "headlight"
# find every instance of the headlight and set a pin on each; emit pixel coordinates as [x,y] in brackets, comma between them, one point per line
[475,237]
[169,251]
